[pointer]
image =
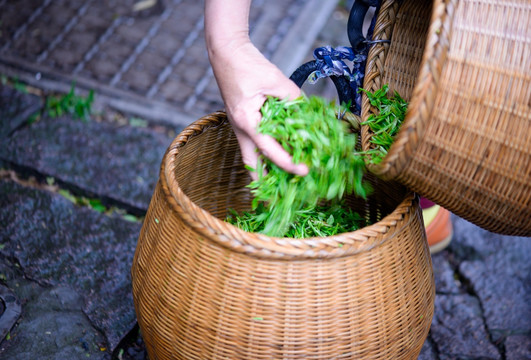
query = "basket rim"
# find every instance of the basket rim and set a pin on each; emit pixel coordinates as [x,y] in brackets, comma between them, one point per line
[264,246]
[424,92]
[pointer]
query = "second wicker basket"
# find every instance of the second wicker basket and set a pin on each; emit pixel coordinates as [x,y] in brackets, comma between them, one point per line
[465,67]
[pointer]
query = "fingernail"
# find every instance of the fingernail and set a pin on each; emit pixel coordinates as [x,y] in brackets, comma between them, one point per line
[302,170]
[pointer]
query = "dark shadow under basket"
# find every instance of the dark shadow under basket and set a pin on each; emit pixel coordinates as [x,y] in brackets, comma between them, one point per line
[465,67]
[204,289]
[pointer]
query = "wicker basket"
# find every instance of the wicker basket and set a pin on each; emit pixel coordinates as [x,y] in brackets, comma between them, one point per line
[465,67]
[204,289]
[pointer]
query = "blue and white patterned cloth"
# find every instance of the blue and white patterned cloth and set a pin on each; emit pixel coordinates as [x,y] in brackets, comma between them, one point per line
[331,62]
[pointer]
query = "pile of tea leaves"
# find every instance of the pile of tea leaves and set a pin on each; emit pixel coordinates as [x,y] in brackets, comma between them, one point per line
[323,220]
[288,205]
[385,124]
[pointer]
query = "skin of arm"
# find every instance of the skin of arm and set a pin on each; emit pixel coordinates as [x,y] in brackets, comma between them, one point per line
[245,78]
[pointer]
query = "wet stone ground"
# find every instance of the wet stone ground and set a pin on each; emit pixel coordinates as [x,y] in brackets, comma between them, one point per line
[153,61]
[69,264]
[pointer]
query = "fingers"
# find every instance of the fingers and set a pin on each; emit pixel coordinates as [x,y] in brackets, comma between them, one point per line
[274,151]
[243,105]
[249,153]
[289,90]
[252,146]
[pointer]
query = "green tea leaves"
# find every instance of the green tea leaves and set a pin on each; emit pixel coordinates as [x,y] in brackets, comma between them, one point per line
[288,205]
[78,106]
[309,130]
[323,220]
[386,124]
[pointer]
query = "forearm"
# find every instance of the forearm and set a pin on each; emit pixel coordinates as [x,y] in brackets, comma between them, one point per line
[245,78]
[226,25]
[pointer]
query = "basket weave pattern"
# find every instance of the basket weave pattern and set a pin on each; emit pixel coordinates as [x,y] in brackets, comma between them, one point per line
[466,141]
[204,289]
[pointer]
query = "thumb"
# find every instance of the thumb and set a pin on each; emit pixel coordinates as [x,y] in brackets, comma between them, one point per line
[289,90]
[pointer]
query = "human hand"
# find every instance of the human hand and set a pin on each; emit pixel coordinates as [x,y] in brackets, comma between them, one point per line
[245,78]
[245,81]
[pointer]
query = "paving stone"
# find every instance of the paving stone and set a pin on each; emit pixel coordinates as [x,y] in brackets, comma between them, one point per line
[503,313]
[472,242]
[52,325]
[95,43]
[95,22]
[458,329]
[60,244]
[13,16]
[154,59]
[134,30]
[496,266]
[15,108]
[518,347]
[445,279]
[175,90]
[64,58]
[10,309]
[118,163]
[55,334]
[136,79]
[102,67]
[166,43]
[428,352]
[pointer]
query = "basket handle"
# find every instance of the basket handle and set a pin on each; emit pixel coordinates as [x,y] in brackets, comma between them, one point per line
[355,22]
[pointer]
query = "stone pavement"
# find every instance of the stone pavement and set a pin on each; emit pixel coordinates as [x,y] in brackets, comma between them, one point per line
[73,193]
[150,62]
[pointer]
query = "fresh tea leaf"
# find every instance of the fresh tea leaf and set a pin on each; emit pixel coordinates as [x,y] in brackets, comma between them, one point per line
[322,220]
[386,124]
[292,206]
[308,129]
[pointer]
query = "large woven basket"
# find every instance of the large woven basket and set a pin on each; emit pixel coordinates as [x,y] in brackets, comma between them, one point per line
[465,67]
[204,289]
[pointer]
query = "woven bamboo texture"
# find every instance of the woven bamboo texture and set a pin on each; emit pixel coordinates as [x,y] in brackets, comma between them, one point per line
[465,67]
[204,289]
